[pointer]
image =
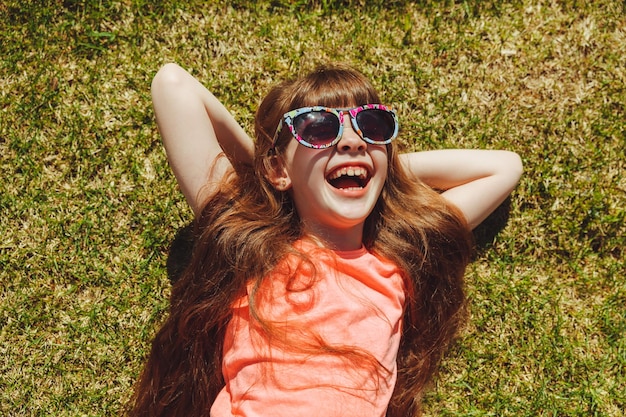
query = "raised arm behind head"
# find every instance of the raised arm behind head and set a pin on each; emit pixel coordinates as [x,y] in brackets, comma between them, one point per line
[196,129]
[476,181]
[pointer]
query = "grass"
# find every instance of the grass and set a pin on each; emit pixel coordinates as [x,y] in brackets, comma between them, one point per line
[89,207]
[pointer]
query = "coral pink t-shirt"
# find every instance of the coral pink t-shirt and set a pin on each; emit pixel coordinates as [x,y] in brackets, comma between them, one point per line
[352,300]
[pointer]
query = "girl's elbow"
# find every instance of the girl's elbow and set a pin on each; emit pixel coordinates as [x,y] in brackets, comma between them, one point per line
[514,171]
[512,166]
[517,166]
[168,75]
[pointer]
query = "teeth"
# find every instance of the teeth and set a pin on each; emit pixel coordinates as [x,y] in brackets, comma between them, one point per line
[349,171]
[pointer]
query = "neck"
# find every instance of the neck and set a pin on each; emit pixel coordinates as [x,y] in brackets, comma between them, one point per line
[347,239]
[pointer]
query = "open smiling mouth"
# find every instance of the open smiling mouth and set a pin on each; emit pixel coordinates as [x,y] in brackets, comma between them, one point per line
[349,178]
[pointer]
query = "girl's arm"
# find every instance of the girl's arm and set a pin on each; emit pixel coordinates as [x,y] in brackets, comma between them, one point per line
[196,128]
[476,181]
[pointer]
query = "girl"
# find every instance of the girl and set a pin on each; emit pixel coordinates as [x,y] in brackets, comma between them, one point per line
[326,275]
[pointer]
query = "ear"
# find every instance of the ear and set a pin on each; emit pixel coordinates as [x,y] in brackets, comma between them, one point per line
[277,173]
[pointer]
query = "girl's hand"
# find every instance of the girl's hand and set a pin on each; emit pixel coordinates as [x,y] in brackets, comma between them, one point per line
[196,129]
[476,181]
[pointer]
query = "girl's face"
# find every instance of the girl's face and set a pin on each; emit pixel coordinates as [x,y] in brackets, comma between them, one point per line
[336,188]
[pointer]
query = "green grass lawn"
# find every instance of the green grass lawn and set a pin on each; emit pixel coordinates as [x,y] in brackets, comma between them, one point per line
[89,208]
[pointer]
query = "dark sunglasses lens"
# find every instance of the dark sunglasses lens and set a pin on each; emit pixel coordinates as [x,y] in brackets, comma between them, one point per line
[319,128]
[376,125]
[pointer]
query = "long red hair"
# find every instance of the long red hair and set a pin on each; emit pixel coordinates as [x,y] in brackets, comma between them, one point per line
[247,227]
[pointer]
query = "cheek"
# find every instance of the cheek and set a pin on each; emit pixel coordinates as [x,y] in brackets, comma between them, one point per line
[381,159]
[303,161]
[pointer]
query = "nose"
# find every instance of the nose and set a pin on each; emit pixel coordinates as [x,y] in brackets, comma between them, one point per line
[350,141]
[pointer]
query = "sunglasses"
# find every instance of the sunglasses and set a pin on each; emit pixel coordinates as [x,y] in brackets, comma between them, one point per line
[320,127]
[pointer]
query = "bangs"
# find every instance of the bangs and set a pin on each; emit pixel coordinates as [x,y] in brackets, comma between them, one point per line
[334,87]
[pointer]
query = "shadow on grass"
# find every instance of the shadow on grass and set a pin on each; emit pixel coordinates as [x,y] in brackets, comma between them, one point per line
[484,235]
[486,232]
[179,255]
